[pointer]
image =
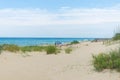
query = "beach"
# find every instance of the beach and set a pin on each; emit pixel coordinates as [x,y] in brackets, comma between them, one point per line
[59,40]
[40,66]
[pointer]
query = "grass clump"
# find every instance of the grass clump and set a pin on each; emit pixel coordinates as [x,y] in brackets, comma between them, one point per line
[100,61]
[1,48]
[107,61]
[117,36]
[68,50]
[32,48]
[10,47]
[75,42]
[51,49]
[14,48]
[25,49]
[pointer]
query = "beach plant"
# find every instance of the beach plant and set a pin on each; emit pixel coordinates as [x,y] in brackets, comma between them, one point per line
[25,49]
[116,36]
[68,50]
[75,42]
[38,48]
[10,47]
[107,61]
[51,49]
[32,48]
[100,61]
[1,48]
[14,48]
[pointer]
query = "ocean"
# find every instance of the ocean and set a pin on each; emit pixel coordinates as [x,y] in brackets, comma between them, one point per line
[39,41]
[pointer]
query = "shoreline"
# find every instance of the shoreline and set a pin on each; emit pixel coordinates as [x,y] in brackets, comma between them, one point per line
[39,41]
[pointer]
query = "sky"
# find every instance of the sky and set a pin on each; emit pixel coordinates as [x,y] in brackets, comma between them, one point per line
[59,18]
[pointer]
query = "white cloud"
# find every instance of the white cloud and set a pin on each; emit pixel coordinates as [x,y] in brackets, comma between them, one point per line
[23,17]
[77,22]
[37,17]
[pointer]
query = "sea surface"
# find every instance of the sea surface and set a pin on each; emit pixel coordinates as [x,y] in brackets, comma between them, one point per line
[39,41]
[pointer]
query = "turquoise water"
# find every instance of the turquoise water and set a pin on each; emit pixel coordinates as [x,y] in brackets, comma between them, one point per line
[38,41]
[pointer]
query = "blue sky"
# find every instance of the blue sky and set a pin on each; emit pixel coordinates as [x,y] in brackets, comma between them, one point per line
[59,18]
[55,4]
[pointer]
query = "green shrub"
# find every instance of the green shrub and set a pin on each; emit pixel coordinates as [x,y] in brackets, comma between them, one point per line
[100,61]
[68,50]
[74,42]
[117,64]
[51,50]
[117,36]
[1,48]
[107,61]
[10,47]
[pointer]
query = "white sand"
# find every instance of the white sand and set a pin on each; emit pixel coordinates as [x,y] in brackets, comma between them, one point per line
[39,66]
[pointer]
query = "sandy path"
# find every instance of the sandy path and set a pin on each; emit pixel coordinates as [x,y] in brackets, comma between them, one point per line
[75,66]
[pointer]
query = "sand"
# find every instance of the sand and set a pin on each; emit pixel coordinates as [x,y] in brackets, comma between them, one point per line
[39,66]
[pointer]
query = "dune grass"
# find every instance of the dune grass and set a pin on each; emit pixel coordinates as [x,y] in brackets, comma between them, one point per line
[14,48]
[1,49]
[32,48]
[10,47]
[75,42]
[51,49]
[107,61]
[111,60]
[116,36]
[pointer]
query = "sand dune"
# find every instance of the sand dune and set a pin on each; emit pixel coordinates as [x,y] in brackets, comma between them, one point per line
[39,66]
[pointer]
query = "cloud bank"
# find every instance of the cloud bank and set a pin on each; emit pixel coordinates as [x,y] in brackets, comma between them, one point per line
[37,17]
[42,21]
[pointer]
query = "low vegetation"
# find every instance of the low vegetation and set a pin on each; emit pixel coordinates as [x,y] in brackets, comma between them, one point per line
[117,36]
[24,49]
[107,61]
[1,49]
[51,50]
[32,48]
[75,42]
[10,47]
